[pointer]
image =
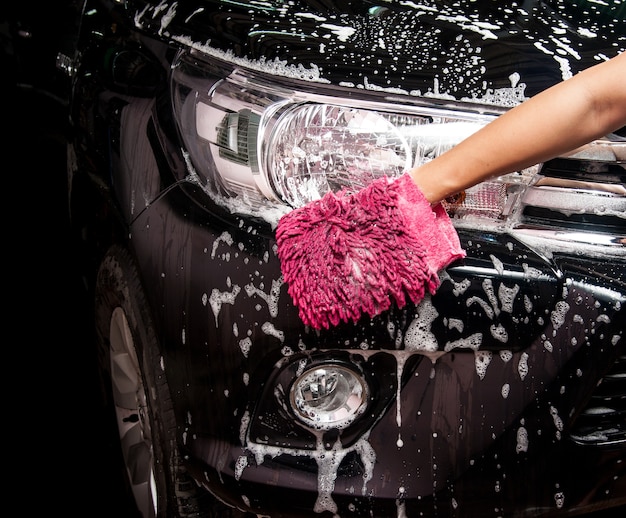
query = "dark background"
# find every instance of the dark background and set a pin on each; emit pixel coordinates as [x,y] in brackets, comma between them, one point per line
[54,426]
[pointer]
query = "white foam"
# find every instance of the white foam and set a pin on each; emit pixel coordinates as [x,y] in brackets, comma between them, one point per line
[482,359]
[418,336]
[522,366]
[522,440]
[219,298]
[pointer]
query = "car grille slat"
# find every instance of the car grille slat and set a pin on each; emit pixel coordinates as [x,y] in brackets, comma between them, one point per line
[578,195]
[603,420]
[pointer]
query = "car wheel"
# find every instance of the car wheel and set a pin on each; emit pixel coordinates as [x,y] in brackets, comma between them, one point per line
[137,393]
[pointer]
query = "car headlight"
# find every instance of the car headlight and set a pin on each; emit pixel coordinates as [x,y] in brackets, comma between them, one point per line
[268,144]
[262,148]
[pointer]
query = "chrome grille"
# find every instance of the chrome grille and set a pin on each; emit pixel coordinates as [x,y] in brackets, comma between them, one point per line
[578,195]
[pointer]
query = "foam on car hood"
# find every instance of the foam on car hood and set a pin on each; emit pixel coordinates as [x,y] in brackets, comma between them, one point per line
[494,52]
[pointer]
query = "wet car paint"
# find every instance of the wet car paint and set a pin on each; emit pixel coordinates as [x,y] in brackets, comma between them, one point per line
[432,49]
[446,385]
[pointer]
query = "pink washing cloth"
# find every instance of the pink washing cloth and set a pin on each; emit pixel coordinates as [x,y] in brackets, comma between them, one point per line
[344,255]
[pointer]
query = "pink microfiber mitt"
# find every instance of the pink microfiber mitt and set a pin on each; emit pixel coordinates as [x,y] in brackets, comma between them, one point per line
[348,254]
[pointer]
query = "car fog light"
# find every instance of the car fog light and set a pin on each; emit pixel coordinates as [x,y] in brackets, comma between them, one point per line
[329,397]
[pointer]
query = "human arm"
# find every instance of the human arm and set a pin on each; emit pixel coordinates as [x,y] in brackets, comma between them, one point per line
[574,112]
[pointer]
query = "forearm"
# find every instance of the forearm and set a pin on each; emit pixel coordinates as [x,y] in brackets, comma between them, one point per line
[568,115]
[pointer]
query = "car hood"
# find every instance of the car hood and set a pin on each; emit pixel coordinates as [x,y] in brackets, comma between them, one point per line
[496,52]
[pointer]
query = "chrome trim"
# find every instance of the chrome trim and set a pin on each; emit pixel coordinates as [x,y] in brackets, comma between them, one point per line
[571,196]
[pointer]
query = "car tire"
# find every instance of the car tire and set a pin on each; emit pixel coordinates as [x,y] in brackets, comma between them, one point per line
[137,399]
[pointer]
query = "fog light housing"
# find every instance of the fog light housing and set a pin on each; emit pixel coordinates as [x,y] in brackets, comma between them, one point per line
[328,396]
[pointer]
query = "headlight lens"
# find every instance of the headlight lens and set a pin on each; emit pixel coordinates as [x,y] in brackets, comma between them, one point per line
[314,148]
[328,397]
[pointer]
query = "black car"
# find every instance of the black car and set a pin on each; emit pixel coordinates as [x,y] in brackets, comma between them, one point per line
[196,124]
